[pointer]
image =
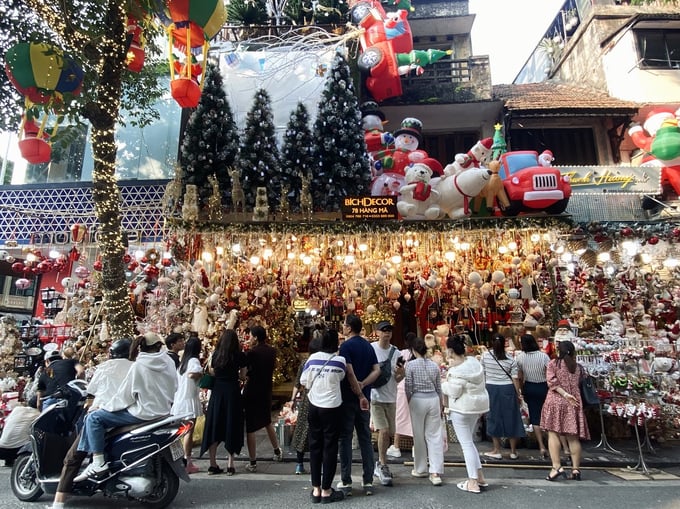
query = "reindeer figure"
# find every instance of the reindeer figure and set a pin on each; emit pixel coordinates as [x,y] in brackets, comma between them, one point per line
[215,200]
[238,197]
[305,196]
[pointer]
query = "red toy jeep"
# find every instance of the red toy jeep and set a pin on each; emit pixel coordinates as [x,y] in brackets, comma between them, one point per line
[531,187]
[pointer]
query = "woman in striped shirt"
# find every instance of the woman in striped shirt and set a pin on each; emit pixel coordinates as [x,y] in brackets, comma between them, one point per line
[532,365]
[504,418]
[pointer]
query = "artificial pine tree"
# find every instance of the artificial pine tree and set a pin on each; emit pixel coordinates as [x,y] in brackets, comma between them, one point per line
[210,140]
[258,158]
[343,167]
[297,158]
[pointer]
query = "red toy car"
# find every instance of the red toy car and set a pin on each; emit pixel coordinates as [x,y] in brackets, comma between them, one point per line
[531,187]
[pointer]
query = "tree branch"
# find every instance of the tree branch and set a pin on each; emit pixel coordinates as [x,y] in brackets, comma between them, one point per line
[55,18]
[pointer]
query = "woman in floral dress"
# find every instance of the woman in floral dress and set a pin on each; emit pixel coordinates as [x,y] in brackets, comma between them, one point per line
[563,410]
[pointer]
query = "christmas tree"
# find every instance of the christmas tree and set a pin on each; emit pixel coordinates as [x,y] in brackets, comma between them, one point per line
[210,140]
[297,158]
[258,159]
[343,168]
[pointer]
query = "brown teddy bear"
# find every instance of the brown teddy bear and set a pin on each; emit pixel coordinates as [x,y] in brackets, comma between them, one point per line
[493,190]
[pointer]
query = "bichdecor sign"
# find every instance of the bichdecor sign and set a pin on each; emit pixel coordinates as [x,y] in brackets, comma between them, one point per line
[615,179]
[369,207]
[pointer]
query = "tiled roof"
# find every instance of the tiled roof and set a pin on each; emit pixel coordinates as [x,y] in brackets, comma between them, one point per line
[556,97]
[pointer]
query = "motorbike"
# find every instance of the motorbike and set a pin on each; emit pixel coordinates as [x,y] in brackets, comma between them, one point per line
[145,460]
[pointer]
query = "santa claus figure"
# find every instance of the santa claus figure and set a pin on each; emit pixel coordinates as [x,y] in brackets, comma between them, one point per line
[372,121]
[479,155]
[563,332]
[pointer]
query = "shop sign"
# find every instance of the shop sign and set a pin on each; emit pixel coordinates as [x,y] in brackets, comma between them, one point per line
[369,207]
[614,179]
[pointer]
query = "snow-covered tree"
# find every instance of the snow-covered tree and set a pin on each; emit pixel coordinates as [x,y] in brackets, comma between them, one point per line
[297,157]
[210,141]
[258,157]
[343,168]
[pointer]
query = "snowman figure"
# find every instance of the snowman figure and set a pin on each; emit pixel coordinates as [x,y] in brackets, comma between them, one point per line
[406,141]
[372,122]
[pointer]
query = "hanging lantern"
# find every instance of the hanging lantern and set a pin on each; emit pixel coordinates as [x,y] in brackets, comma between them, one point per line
[78,232]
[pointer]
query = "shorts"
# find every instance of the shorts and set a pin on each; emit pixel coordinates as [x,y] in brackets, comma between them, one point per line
[383,415]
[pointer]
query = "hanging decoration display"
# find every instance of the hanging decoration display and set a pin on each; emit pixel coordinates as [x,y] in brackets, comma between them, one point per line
[193,24]
[45,76]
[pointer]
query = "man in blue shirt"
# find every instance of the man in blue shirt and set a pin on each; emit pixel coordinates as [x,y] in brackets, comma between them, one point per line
[362,370]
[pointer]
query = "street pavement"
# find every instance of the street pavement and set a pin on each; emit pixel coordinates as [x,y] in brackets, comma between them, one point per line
[610,480]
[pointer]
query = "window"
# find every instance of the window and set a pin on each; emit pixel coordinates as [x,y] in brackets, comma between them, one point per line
[658,49]
[570,146]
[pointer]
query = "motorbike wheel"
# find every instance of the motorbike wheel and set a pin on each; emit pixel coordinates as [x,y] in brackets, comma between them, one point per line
[24,479]
[165,492]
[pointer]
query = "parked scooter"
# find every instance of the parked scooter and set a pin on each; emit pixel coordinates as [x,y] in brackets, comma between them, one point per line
[145,460]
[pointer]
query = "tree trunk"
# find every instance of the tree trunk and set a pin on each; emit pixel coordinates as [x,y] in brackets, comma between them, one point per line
[103,115]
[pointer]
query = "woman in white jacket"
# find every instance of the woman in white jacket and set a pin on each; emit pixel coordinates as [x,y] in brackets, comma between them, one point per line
[467,401]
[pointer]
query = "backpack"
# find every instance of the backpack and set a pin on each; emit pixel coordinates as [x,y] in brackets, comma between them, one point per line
[385,370]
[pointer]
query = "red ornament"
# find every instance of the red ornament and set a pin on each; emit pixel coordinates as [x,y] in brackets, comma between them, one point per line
[653,240]
[127,258]
[166,262]
[132,285]
[627,231]
[18,267]
[98,265]
[78,232]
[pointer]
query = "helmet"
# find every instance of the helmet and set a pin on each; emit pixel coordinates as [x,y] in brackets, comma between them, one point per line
[120,349]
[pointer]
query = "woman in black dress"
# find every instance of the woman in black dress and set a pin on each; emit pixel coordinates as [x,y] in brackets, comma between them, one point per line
[224,420]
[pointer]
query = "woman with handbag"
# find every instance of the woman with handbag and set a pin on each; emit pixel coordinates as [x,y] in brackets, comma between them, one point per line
[322,375]
[467,401]
[505,396]
[532,365]
[563,410]
[224,419]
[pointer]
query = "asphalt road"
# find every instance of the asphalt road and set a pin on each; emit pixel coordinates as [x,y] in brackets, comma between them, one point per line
[275,487]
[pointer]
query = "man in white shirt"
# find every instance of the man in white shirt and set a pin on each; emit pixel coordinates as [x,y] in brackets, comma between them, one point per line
[146,393]
[384,399]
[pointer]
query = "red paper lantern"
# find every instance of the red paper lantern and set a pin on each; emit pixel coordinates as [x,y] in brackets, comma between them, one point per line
[186,92]
[35,150]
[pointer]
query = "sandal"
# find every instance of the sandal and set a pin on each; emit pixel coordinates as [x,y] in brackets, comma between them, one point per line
[575,475]
[463,485]
[558,474]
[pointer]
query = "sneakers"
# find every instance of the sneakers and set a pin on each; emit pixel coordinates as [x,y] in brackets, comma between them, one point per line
[345,488]
[299,469]
[368,489]
[415,473]
[394,452]
[92,471]
[251,467]
[191,468]
[383,473]
[278,456]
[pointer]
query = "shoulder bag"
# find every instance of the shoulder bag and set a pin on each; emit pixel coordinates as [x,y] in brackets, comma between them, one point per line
[589,396]
[207,381]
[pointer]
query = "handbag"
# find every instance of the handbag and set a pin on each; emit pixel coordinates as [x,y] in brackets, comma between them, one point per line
[589,396]
[207,381]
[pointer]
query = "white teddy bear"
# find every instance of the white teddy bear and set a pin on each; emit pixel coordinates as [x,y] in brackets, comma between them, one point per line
[417,198]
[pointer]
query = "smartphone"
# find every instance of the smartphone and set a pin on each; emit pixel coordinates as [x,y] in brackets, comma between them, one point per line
[401,361]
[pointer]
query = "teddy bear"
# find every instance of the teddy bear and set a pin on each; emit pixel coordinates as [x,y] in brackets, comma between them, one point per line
[479,155]
[455,191]
[493,190]
[417,197]
[534,315]
[190,206]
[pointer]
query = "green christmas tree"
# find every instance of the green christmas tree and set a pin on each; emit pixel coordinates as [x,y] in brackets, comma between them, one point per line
[499,146]
[210,141]
[343,167]
[297,156]
[258,159]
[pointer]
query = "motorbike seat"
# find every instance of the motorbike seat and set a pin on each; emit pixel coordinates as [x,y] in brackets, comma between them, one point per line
[125,429]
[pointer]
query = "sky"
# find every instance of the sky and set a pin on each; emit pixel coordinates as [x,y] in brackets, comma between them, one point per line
[508,31]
